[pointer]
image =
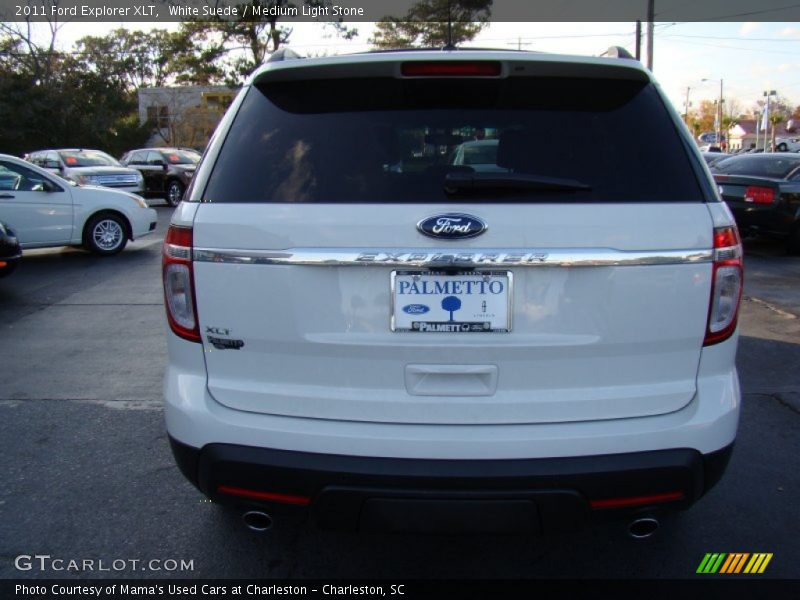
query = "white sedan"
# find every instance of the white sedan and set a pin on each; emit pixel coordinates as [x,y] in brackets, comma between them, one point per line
[46,210]
[787,144]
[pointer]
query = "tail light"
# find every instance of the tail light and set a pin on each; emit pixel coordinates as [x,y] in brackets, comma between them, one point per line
[759,195]
[726,286]
[178,275]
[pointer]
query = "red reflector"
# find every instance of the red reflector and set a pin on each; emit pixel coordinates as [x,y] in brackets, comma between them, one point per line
[759,195]
[725,237]
[179,236]
[636,500]
[274,497]
[451,69]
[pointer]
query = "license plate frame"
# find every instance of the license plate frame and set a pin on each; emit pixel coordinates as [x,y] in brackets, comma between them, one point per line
[404,325]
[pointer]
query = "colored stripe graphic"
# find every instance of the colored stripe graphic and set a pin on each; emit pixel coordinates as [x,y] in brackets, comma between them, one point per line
[732,558]
[733,563]
[711,563]
[741,562]
[758,563]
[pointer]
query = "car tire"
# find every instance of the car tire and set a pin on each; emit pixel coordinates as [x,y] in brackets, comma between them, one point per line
[175,191]
[781,148]
[106,234]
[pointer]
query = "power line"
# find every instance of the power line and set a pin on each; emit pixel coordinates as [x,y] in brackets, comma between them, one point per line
[728,47]
[555,37]
[738,39]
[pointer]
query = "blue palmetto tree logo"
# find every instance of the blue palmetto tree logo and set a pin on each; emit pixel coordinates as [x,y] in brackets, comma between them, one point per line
[451,304]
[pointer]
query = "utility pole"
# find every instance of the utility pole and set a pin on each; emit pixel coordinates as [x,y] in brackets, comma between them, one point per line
[766,118]
[718,119]
[638,39]
[520,43]
[758,126]
[651,15]
[449,45]
[719,122]
[686,106]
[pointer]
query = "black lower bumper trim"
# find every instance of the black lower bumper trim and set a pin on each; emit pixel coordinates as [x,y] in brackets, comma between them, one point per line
[395,494]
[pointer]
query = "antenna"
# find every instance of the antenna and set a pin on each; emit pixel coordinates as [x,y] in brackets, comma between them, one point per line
[449,45]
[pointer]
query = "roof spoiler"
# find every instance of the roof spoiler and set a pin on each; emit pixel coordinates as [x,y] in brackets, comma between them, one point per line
[617,52]
[284,54]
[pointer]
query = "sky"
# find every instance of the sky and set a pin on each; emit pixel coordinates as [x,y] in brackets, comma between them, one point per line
[749,57]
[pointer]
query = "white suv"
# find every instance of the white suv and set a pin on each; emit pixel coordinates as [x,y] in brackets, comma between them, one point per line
[363,330]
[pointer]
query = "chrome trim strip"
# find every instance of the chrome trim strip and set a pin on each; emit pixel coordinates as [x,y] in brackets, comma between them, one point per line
[459,257]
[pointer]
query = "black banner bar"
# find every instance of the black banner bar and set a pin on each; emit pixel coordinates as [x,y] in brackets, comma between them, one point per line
[156,11]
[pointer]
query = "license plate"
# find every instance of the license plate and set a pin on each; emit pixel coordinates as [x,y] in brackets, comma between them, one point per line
[447,302]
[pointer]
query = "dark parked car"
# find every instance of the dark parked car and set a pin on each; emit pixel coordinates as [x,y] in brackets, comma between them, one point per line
[10,252]
[712,158]
[166,171]
[763,191]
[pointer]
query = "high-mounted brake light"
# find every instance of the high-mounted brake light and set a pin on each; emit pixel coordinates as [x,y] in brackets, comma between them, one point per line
[759,195]
[726,286]
[483,68]
[178,275]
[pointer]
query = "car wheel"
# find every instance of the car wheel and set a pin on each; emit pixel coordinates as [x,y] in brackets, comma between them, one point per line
[174,192]
[106,234]
[781,147]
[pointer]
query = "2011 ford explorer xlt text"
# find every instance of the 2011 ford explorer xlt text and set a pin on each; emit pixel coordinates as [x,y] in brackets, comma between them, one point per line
[366,329]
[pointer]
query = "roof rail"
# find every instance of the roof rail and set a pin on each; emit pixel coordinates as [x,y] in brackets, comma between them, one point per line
[617,52]
[284,54]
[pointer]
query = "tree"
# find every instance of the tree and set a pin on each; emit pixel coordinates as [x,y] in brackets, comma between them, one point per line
[135,59]
[703,118]
[778,105]
[50,98]
[237,47]
[727,123]
[426,24]
[35,59]
[732,108]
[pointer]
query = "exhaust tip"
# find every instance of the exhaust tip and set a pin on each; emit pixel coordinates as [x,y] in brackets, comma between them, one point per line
[257,521]
[643,528]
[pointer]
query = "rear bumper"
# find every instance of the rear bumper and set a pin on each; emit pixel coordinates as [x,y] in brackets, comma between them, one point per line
[762,219]
[419,495]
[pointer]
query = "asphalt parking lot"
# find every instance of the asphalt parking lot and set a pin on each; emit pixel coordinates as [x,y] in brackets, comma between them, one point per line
[88,474]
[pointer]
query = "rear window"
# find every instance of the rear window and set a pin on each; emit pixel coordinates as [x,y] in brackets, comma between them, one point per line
[758,166]
[479,153]
[181,157]
[399,140]
[87,158]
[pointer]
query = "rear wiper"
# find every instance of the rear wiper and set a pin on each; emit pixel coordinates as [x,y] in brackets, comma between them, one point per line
[455,183]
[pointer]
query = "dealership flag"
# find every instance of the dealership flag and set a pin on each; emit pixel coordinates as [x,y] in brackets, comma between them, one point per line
[765,118]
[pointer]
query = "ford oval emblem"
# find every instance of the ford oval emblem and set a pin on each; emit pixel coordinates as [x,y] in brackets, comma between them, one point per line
[452,226]
[415,309]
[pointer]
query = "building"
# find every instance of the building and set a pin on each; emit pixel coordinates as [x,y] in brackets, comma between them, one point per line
[743,134]
[183,115]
